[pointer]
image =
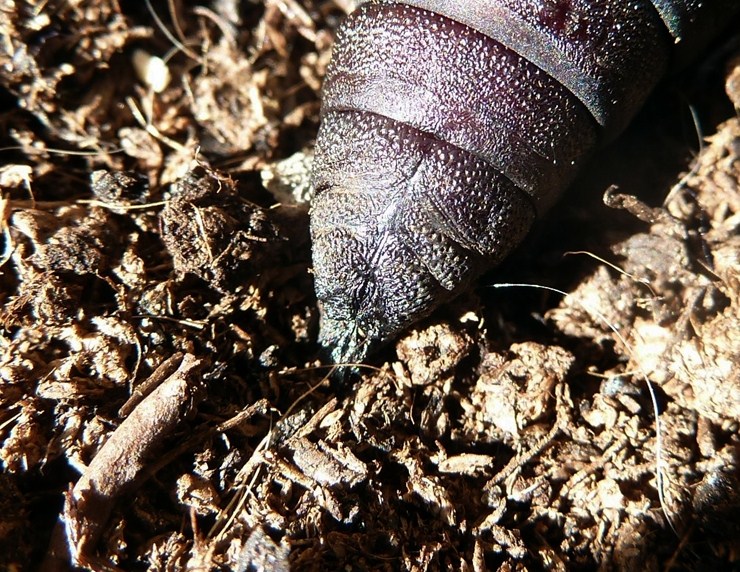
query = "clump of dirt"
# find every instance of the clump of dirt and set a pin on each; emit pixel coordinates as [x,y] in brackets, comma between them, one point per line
[163,402]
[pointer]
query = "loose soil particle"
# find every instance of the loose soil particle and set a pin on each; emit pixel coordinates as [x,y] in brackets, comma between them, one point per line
[164,402]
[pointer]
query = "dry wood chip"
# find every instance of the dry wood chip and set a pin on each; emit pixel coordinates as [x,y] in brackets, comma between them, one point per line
[328,465]
[119,463]
[466,464]
[429,491]
[198,494]
[515,390]
[732,83]
[433,352]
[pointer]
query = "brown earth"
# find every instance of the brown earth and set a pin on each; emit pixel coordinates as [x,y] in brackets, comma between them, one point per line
[161,390]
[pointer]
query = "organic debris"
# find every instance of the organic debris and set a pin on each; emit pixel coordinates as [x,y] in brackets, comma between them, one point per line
[163,400]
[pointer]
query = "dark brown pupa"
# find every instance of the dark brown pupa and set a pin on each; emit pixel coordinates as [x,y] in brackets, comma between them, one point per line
[448,126]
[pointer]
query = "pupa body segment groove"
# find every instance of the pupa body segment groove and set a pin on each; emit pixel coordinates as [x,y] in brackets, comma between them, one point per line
[448,126]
